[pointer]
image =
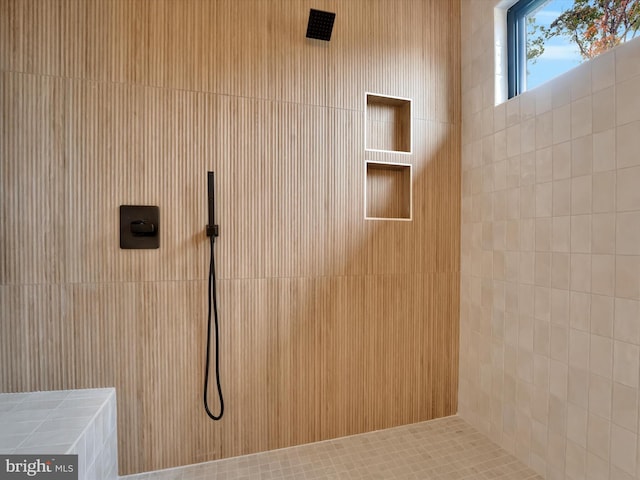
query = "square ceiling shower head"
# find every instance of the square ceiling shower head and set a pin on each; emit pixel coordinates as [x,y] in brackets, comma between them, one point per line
[320,24]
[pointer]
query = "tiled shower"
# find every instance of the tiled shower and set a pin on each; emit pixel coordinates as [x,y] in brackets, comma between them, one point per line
[508,295]
[337,317]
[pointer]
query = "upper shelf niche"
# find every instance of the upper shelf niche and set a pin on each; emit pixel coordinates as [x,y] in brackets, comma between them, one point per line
[388,123]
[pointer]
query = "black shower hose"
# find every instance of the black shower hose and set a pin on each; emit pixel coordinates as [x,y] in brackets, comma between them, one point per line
[213,308]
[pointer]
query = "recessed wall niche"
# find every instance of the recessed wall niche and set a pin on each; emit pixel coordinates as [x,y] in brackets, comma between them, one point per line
[388,123]
[388,191]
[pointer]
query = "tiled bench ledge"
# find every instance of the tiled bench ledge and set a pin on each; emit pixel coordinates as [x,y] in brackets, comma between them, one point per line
[81,422]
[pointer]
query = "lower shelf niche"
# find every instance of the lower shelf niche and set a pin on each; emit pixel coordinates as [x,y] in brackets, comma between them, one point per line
[388,191]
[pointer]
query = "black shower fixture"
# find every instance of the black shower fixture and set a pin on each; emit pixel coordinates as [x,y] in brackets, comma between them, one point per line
[320,24]
[212,233]
[139,226]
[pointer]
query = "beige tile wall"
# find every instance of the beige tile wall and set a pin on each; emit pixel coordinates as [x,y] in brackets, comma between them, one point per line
[550,289]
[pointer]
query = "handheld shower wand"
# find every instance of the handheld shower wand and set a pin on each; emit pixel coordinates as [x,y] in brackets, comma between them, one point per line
[212,233]
[212,228]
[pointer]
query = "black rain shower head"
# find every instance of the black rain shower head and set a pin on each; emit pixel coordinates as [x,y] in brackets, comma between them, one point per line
[320,24]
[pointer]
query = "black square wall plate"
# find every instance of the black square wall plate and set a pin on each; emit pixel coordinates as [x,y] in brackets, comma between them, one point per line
[320,24]
[139,226]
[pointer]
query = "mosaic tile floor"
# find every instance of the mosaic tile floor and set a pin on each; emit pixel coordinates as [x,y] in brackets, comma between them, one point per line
[443,449]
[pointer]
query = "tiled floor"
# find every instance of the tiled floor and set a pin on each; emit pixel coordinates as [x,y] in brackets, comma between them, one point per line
[446,448]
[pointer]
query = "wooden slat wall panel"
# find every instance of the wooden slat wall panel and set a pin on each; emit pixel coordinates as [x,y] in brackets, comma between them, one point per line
[330,324]
[33,176]
[345,227]
[37,347]
[341,347]
[108,334]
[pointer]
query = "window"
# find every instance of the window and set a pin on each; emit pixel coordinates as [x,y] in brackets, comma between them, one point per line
[545,38]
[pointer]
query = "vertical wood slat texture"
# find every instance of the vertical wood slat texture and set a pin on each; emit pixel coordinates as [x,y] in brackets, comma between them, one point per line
[331,325]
